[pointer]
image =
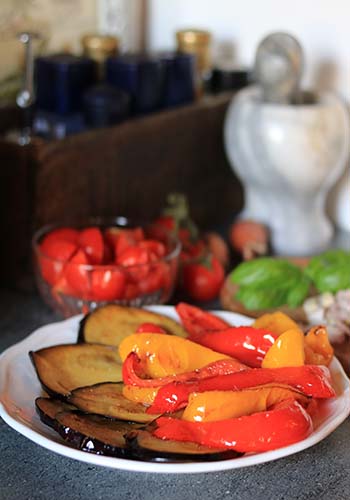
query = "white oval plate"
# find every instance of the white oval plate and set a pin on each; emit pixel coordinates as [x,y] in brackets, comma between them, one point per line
[19,386]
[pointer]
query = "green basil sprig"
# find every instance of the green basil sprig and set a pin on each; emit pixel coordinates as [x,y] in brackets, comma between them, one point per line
[267,282]
[330,271]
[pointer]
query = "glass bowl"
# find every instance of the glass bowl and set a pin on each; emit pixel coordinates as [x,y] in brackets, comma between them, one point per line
[71,282]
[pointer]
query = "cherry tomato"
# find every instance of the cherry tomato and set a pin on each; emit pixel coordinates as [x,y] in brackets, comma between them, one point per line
[158,278]
[203,280]
[107,284]
[77,274]
[91,241]
[125,240]
[62,233]
[137,261]
[58,249]
[184,235]
[112,234]
[55,254]
[154,247]
[166,221]
[193,251]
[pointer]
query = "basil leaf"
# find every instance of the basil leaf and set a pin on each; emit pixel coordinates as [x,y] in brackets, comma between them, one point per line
[261,298]
[298,293]
[330,271]
[262,271]
[333,279]
[266,283]
[327,259]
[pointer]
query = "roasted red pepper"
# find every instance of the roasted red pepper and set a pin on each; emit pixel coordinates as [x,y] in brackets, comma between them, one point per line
[150,328]
[245,343]
[312,380]
[287,423]
[132,372]
[196,321]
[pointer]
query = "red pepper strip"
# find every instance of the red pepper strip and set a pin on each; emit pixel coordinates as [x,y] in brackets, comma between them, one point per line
[285,424]
[132,370]
[196,321]
[311,380]
[150,328]
[245,343]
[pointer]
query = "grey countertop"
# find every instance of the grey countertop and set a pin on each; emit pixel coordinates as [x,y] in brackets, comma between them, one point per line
[28,471]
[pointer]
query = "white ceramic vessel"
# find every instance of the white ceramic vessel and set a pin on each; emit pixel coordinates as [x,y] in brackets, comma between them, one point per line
[288,157]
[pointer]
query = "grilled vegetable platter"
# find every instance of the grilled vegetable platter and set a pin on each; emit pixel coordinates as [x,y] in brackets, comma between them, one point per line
[142,386]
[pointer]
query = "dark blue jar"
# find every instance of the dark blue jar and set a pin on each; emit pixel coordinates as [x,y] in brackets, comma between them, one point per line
[179,77]
[61,81]
[105,105]
[141,76]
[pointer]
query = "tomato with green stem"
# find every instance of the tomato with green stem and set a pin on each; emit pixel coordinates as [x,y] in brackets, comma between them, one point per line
[203,280]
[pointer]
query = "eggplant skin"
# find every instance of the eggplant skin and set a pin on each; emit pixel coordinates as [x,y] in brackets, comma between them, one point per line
[107,399]
[95,434]
[63,368]
[120,439]
[110,324]
[48,409]
[150,448]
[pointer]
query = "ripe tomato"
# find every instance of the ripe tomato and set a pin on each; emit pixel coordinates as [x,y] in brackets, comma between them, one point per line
[112,234]
[62,233]
[137,260]
[91,241]
[203,280]
[125,240]
[77,274]
[54,255]
[154,247]
[107,284]
[166,221]
[157,279]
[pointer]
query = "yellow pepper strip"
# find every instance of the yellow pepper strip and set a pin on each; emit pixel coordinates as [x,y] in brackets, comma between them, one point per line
[144,395]
[276,322]
[288,350]
[212,406]
[318,350]
[164,355]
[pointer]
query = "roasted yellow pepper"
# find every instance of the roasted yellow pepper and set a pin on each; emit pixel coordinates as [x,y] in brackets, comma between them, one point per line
[276,322]
[288,350]
[164,355]
[318,350]
[220,405]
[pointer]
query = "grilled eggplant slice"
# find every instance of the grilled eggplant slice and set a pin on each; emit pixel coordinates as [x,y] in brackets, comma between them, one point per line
[110,324]
[63,368]
[116,438]
[48,409]
[96,434]
[149,447]
[108,400]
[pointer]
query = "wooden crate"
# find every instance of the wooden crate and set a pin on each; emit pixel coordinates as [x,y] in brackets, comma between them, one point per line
[124,170]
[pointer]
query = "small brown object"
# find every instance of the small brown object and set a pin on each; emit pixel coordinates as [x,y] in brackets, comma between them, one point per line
[249,238]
